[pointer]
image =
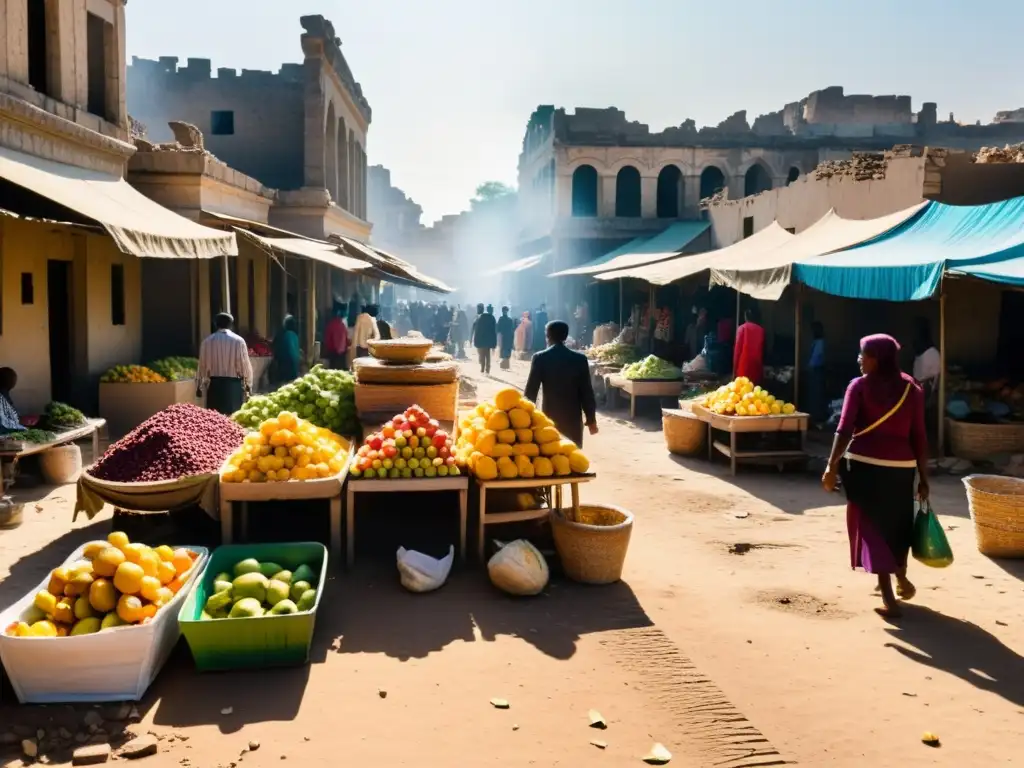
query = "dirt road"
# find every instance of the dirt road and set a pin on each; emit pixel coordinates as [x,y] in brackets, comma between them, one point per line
[739,637]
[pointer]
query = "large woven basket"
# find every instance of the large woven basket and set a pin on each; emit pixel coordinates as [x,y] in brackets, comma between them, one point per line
[685,434]
[593,550]
[997,509]
[370,370]
[406,351]
[977,442]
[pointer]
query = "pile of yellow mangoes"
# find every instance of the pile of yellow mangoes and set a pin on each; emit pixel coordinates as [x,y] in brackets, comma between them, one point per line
[132,374]
[116,583]
[741,398]
[287,448]
[511,438]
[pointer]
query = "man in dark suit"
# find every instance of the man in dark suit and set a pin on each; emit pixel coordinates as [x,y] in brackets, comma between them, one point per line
[565,378]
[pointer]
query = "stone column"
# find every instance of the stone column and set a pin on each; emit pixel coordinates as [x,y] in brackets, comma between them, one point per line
[14,40]
[314,174]
[649,197]
[737,186]
[606,195]
[691,196]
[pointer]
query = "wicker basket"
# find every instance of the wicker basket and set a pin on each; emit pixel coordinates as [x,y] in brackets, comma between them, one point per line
[997,509]
[405,351]
[370,370]
[593,550]
[685,434]
[978,442]
[439,400]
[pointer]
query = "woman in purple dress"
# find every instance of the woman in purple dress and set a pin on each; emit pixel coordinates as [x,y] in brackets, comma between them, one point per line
[879,444]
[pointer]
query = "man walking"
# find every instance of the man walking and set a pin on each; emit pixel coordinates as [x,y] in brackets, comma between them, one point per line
[225,373]
[506,331]
[485,336]
[564,377]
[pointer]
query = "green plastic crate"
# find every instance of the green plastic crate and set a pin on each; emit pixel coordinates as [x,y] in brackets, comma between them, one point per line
[265,641]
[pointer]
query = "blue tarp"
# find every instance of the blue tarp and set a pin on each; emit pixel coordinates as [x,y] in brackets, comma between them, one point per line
[643,250]
[907,263]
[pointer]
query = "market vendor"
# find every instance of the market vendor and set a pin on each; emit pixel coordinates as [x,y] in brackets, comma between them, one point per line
[748,354]
[564,376]
[224,373]
[336,338]
[9,419]
[287,354]
[365,329]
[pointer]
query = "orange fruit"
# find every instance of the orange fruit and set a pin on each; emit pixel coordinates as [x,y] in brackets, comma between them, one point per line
[149,586]
[165,572]
[107,561]
[102,596]
[165,553]
[163,596]
[128,578]
[129,609]
[148,611]
[149,562]
[182,561]
[134,552]
[119,539]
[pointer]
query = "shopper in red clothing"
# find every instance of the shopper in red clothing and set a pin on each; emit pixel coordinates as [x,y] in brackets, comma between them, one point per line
[336,337]
[748,354]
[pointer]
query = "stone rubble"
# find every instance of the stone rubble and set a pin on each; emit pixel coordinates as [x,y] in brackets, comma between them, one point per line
[1011,153]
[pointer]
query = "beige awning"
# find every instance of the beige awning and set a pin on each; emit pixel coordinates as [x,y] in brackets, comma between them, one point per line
[766,273]
[643,250]
[328,253]
[665,272]
[391,268]
[519,265]
[138,225]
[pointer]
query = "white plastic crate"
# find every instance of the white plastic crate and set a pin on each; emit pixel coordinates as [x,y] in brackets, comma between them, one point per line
[114,665]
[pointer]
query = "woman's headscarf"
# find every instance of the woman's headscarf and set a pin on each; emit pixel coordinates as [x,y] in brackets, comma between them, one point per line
[887,382]
[288,324]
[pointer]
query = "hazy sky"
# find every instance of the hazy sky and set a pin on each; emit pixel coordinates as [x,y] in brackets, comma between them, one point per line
[452,83]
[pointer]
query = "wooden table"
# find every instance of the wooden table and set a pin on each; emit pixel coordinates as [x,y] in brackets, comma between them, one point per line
[403,485]
[554,486]
[17,449]
[644,388]
[734,425]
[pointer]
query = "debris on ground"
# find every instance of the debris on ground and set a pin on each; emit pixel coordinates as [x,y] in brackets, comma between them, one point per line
[499,703]
[597,720]
[91,755]
[658,755]
[599,744]
[142,746]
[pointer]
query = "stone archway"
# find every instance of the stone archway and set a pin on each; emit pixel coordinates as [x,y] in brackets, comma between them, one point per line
[344,173]
[627,193]
[331,153]
[712,181]
[584,191]
[670,192]
[756,180]
[793,175]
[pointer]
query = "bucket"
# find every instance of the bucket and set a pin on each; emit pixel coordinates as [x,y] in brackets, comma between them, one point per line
[593,550]
[61,464]
[11,513]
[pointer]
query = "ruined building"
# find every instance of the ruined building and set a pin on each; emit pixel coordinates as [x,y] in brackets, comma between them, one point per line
[395,217]
[301,130]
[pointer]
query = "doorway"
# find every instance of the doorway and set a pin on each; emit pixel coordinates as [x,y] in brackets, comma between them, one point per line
[59,312]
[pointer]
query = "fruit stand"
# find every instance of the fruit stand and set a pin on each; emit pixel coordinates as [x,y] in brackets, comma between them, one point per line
[635,388]
[765,424]
[130,394]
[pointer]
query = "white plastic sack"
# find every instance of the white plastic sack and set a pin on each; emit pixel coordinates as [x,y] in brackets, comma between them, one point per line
[423,573]
[518,569]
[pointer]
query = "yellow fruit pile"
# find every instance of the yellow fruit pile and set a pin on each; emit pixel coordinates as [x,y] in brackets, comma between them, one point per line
[132,374]
[512,438]
[287,448]
[742,398]
[115,584]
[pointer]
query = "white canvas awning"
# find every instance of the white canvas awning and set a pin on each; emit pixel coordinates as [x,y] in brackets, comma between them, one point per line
[665,272]
[519,265]
[766,273]
[643,250]
[138,225]
[327,253]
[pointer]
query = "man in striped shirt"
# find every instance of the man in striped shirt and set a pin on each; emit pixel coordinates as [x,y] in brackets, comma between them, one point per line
[225,373]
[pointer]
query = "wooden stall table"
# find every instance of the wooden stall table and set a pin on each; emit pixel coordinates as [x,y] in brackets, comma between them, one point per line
[12,449]
[554,486]
[403,485]
[734,425]
[644,388]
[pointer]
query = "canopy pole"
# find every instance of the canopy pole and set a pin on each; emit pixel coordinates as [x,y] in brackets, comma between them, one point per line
[652,321]
[621,305]
[942,371]
[225,289]
[796,348]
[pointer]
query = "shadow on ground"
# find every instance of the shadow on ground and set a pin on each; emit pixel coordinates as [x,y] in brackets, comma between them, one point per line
[962,649]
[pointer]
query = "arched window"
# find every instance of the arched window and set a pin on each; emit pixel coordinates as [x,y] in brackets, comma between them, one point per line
[331,153]
[344,195]
[627,193]
[670,192]
[584,191]
[712,181]
[757,180]
[794,174]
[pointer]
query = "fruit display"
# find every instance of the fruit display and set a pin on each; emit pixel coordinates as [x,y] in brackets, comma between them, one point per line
[741,398]
[132,374]
[62,416]
[116,583]
[651,367]
[410,445]
[323,396]
[510,437]
[285,449]
[176,368]
[180,441]
[258,346]
[254,589]
[615,353]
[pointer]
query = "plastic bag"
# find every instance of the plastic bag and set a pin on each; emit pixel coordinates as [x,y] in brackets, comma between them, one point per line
[423,573]
[930,545]
[518,569]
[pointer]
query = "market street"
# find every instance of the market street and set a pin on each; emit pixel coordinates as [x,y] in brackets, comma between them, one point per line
[738,637]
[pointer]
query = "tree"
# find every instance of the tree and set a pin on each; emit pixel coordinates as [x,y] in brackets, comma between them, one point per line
[492,192]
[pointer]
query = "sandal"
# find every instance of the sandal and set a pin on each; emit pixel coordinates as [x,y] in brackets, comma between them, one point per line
[905,590]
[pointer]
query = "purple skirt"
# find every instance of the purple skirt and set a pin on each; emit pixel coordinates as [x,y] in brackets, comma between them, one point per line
[879,515]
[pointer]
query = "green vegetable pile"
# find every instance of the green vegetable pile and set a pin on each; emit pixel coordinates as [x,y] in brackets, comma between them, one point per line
[323,396]
[614,353]
[175,368]
[31,436]
[652,367]
[62,416]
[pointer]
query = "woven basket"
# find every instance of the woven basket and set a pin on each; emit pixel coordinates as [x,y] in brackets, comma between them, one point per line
[439,400]
[684,433]
[997,509]
[406,351]
[977,442]
[593,550]
[369,370]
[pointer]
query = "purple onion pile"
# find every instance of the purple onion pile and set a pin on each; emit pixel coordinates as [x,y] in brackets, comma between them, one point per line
[180,441]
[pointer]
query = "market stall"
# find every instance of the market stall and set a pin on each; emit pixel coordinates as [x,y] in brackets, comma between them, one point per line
[15,446]
[650,377]
[130,394]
